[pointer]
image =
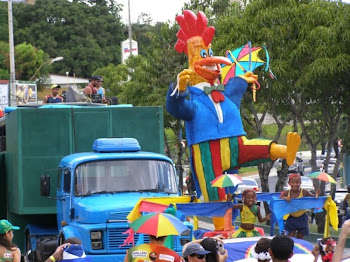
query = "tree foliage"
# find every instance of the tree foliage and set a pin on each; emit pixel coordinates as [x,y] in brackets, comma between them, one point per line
[28,60]
[87,36]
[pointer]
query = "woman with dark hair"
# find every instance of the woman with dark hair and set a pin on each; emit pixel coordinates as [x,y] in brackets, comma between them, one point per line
[9,252]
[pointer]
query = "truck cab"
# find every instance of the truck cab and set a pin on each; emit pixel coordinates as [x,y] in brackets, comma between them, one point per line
[97,190]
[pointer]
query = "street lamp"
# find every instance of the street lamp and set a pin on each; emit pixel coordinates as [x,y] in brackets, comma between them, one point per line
[53,60]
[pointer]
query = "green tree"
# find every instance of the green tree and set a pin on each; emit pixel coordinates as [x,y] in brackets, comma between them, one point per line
[28,60]
[88,37]
[4,29]
[4,60]
[114,78]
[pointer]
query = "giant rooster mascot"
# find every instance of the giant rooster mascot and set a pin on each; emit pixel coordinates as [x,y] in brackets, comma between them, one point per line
[214,128]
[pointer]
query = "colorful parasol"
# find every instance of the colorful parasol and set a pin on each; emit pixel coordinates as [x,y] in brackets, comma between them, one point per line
[158,224]
[226,180]
[322,176]
[244,59]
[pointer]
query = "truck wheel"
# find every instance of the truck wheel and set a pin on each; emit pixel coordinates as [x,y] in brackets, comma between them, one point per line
[61,239]
[29,255]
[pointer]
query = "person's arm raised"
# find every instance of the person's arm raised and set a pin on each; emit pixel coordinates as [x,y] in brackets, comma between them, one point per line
[339,250]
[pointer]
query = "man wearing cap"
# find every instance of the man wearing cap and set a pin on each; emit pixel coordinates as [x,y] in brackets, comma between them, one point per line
[194,252]
[100,90]
[54,97]
[91,89]
[8,250]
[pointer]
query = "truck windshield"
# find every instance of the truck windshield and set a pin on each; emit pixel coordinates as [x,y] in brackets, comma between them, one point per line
[124,176]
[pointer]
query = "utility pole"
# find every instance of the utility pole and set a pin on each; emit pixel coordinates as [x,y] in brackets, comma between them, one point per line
[130,33]
[13,100]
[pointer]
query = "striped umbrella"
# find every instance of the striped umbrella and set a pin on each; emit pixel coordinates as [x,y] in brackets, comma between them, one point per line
[322,176]
[226,180]
[158,224]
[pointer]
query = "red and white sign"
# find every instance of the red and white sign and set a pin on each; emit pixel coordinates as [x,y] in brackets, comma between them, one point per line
[126,49]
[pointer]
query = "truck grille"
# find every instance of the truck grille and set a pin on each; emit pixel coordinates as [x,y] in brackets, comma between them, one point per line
[116,238]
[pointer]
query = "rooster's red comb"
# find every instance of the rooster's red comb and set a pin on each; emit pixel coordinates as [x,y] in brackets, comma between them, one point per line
[190,26]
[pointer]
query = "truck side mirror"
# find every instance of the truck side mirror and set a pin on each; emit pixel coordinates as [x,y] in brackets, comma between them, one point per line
[45,185]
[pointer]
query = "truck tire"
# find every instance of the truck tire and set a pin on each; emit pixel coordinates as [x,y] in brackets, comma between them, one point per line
[29,255]
[61,239]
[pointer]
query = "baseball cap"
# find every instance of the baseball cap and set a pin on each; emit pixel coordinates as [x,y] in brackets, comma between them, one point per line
[6,226]
[195,248]
[98,78]
[55,86]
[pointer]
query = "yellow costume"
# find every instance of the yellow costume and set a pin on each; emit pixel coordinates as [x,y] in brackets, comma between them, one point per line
[248,216]
[299,212]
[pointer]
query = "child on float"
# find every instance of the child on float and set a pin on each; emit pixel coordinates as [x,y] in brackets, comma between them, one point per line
[297,223]
[249,212]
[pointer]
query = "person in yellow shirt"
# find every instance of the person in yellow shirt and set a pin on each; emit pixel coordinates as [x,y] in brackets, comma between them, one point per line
[297,223]
[249,212]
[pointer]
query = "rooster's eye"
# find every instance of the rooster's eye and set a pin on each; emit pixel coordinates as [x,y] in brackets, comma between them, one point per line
[204,53]
[210,52]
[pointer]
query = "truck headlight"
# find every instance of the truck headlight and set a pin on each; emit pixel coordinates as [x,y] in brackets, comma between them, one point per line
[96,245]
[96,239]
[96,235]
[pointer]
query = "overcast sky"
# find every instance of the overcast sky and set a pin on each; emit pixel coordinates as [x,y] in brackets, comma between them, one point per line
[159,10]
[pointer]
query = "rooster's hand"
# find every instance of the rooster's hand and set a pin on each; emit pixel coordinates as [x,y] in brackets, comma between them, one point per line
[249,77]
[184,78]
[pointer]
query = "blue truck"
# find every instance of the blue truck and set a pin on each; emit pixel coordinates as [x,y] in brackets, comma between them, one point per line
[86,194]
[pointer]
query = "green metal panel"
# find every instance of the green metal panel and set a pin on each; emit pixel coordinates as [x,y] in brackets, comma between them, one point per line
[143,123]
[89,125]
[38,138]
[2,182]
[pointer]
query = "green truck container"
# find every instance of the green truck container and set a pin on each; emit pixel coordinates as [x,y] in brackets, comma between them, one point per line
[38,138]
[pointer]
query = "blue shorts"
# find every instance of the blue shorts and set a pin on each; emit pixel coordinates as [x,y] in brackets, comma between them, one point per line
[299,224]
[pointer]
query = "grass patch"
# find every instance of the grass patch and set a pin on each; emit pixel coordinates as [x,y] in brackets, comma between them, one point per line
[246,171]
[271,130]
